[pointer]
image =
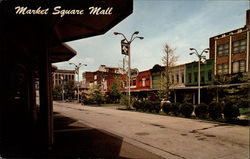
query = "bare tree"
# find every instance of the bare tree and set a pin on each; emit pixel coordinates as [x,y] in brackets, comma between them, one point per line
[169,60]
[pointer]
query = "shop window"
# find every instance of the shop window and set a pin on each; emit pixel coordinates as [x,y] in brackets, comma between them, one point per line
[239,46]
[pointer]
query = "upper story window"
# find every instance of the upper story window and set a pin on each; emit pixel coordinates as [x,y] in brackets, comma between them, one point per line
[143,82]
[223,50]
[133,82]
[195,76]
[182,78]
[239,46]
[209,75]
[177,78]
[202,76]
[189,77]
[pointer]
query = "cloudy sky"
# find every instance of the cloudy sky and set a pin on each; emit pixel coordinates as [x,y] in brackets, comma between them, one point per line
[180,23]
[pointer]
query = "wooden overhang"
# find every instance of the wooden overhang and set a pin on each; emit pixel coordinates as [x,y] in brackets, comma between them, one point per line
[61,52]
[68,27]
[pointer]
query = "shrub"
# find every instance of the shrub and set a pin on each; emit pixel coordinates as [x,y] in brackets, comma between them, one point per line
[137,105]
[147,106]
[201,110]
[215,110]
[186,109]
[231,111]
[155,107]
[175,108]
[166,107]
[124,100]
[243,104]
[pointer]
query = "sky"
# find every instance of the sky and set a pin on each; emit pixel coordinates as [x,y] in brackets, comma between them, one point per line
[183,24]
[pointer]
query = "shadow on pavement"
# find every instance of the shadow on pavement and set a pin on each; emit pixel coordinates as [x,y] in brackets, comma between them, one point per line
[73,139]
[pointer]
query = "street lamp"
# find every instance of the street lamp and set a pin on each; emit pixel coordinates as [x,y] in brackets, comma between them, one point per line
[77,67]
[132,38]
[200,58]
[62,78]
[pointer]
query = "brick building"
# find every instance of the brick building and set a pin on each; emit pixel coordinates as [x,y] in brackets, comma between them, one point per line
[104,77]
[231,50]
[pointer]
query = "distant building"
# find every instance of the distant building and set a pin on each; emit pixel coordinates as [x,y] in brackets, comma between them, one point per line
[104,77]
[231,50]
[62,76]
[177,77]
[206,70]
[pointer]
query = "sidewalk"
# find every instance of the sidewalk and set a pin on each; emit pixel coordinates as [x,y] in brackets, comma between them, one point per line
[76,140]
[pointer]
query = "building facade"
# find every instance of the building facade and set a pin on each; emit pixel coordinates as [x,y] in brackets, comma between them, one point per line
[206,69]
[62,76]
[231,50]
[104,77]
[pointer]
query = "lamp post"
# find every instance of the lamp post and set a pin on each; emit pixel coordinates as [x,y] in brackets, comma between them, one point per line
[200,58]
[77,68]
[132,38]
[62,78]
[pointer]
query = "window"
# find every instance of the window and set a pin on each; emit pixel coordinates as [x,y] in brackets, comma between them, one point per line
[189,78]
[222,68]
[209,75]
[143,82]
[195,76]
[202,77]
[177,78]
[219,69]
[134,83]
[172,79]
[182,78]
[223,50]
[239,66]
[95,77]
[236,67]
[239,46]
[225,68]
[242,66]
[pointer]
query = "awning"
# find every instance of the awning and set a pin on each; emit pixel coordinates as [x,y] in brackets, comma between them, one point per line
[61,52]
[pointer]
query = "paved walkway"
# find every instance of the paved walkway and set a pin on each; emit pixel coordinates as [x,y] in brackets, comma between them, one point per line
[73,139]
[169,137]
